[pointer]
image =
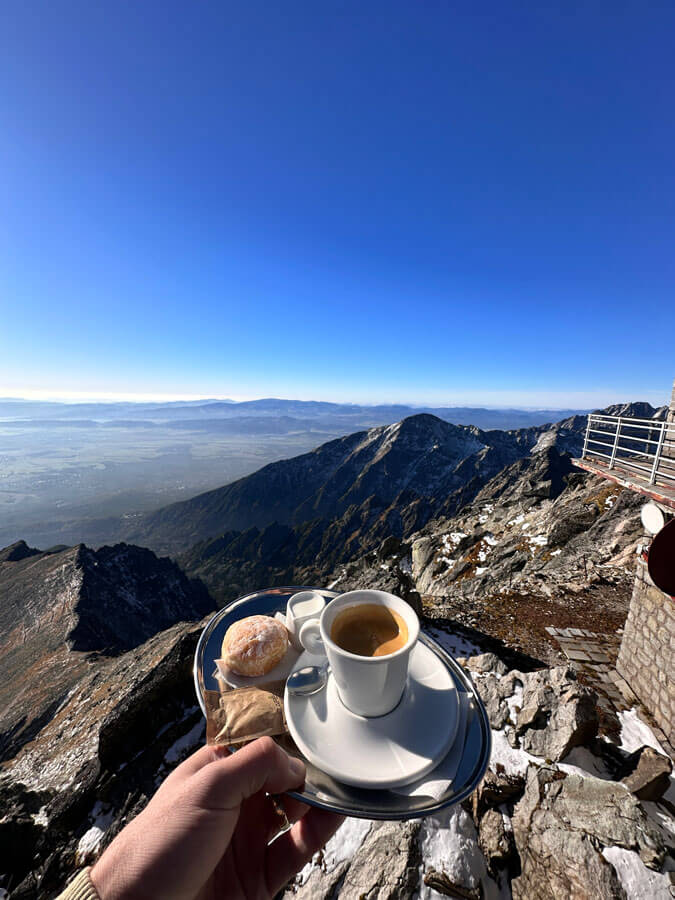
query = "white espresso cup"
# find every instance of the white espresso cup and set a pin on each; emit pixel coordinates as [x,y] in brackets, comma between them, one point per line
[367,685]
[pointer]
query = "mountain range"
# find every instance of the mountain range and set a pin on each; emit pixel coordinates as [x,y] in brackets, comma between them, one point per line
[388,467]
[61,609]
[491,535]
[69,470]
[291,414]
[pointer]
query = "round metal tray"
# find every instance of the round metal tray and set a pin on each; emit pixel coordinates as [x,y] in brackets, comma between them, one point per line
[320,789]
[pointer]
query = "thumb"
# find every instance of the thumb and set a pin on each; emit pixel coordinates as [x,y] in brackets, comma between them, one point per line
[262,765]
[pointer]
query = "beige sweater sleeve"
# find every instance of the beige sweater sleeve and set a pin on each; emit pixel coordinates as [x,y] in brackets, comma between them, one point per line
[80,888]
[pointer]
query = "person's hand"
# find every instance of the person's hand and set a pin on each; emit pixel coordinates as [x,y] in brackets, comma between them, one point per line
[206,833]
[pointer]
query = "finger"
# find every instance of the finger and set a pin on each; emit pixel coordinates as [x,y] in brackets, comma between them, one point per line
[261,765]
[289,853]
[197,761]
[189,767]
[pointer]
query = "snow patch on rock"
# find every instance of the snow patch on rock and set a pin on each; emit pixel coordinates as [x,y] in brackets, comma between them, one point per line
[40,817]
[89,843]
[405,565]
[342,846]
[179,749]
[635,733]
[454,644]
[102,816]
[636,879]
[449,844]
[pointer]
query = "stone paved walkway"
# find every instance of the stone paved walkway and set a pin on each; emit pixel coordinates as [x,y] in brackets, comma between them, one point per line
[594,655]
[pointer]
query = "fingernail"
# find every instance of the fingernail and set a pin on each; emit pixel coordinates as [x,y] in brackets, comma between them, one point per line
[297,768]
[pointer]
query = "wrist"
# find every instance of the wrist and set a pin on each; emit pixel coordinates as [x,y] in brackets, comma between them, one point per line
[104,880]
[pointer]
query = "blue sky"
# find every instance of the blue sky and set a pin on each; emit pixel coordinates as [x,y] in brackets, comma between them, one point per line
[448,203]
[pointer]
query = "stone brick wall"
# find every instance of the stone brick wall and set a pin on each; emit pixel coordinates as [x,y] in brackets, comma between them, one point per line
[647,655]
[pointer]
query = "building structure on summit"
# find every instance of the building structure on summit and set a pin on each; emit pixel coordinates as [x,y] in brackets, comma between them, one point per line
[639,454]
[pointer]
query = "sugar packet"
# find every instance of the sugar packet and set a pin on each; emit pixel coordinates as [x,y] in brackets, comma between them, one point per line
[238,715]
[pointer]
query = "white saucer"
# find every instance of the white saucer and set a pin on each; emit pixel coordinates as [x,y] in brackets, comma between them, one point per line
[383,752]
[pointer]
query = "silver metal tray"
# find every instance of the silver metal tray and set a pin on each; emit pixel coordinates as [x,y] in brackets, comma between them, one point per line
[320,789]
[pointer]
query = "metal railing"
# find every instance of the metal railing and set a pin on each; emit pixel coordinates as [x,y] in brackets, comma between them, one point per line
[642,446]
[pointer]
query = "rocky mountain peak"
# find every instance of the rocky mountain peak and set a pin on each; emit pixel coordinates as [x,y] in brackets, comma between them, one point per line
[421,456]
[128,594]
[57,608]
[639,410]
[17,551]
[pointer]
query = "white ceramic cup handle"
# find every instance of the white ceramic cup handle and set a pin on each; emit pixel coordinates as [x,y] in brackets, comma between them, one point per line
[310,638]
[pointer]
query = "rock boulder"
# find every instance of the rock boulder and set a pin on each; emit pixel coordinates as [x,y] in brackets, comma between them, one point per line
[647,774]
[557,713]
[495,837]
[561,825]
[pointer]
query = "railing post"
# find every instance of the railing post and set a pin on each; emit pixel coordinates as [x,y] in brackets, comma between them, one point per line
[616,443]
[657,455]
[588,431]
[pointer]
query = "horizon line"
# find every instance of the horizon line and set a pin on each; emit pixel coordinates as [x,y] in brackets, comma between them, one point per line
[584,402]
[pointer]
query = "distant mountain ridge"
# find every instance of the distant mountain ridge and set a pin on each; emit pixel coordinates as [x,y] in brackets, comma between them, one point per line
[421,455]
[291,413]
[389,468]
[387,482]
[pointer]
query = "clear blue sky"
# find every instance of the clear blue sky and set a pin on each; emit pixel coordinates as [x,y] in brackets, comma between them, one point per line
[430,202]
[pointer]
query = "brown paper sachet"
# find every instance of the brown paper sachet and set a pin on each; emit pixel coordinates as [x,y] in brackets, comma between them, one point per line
[244,714]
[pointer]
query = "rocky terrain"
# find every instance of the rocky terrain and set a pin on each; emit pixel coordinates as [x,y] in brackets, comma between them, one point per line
[563,812]
[560,814]
[95,666]
[96,761]
[97,702]
[541,544]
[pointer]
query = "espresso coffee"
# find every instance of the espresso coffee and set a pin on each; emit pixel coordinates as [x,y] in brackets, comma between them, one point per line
[369,629]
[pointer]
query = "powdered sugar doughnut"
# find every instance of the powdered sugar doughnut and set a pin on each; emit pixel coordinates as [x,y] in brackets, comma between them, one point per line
[255,645]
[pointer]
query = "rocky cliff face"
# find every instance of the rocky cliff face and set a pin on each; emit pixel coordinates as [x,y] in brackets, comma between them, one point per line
[60,611]
[95,690]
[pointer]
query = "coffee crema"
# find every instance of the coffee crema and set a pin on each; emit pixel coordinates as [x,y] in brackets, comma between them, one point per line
[369,629]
